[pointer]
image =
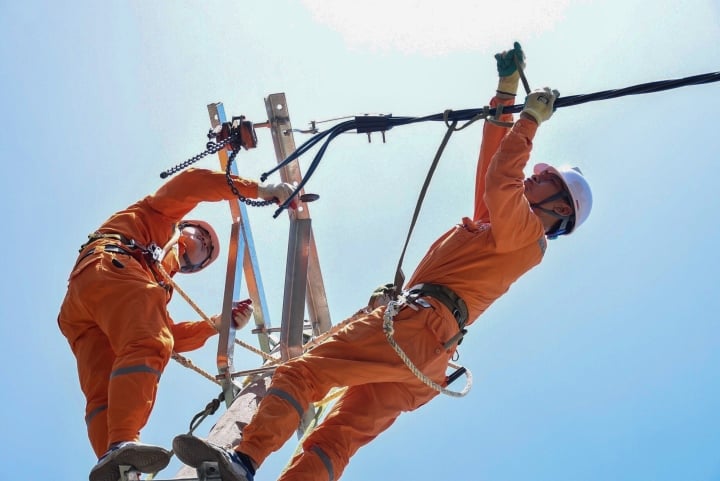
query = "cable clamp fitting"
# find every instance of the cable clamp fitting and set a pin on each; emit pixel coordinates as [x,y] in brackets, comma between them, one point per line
[367,124]
[495,118]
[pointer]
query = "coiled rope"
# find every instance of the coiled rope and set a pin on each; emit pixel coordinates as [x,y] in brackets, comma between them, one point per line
[391,311]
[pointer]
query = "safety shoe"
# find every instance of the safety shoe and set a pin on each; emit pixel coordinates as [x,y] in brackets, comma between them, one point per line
[143,457]
[194,451]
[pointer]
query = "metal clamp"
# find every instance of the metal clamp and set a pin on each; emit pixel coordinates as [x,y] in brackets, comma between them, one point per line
[209,471]
[129,473]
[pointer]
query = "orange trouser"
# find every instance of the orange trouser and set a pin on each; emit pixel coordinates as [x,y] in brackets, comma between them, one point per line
[380,387]
[116,322]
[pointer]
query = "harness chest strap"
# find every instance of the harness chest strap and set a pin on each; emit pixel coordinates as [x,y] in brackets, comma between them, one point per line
[148,256]
[115,249]
[95,236]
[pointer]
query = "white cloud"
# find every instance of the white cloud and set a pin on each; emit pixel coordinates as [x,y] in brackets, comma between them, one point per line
[435,28]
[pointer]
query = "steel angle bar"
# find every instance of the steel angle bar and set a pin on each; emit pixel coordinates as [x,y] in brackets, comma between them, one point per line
[284,142]
[293,319]
[241,243]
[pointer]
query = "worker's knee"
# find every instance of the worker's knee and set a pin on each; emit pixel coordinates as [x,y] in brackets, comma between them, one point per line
[154,352]
[294,385]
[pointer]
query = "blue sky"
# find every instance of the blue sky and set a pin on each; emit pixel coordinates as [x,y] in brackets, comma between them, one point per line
[601,363]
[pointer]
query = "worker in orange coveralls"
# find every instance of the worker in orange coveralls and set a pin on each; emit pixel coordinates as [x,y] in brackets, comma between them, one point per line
[464,271]
[115,316]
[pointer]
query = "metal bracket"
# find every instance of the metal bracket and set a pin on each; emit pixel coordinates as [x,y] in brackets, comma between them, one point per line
[129,473]
[291,341]
[209,471]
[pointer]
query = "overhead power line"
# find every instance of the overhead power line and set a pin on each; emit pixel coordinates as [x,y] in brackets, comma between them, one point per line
[382,123]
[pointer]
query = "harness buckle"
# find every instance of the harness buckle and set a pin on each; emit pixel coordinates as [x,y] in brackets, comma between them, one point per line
[155,252]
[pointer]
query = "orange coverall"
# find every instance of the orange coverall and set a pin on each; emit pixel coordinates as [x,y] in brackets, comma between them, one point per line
[115,316]
[478,259]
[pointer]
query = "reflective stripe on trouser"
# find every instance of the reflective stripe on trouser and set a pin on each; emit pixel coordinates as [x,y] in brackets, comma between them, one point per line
[115,320]
[380,388]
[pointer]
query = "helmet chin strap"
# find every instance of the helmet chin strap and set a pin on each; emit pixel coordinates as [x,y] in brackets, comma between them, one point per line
[189,267]
[564,218]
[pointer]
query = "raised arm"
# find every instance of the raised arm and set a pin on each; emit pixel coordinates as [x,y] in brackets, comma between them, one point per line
[508,80]
[513,222]
[181,194]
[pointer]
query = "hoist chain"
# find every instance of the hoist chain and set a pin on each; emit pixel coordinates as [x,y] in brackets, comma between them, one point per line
[212,148]
[241,198]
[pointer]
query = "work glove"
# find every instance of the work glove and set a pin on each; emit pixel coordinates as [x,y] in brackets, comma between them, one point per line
[278,193]
[240,314]
[507,69]
[540,104]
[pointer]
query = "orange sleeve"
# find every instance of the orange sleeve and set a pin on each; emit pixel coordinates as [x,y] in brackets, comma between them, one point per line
[182,193]
[513,222]
[191,335]
[492,135]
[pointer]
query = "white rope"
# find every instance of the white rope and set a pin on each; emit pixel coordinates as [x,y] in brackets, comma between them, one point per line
[391,311]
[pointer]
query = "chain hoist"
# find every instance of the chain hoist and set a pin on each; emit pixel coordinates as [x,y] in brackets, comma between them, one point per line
[238,133]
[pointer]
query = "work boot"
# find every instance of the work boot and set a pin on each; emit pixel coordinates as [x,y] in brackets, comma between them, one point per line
[143,457]
[194,451]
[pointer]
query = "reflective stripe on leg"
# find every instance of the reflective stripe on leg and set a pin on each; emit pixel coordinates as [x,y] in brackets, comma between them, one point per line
[325,460]
[285,396]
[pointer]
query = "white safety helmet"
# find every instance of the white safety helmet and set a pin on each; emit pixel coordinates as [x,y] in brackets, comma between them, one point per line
[578,190]
[201,234]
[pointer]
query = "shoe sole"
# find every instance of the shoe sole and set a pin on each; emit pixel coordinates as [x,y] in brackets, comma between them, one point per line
[146,459]
[193,451]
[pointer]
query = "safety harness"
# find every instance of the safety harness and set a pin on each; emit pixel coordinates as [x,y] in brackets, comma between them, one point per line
[447,298]
[414,298]
[149,256]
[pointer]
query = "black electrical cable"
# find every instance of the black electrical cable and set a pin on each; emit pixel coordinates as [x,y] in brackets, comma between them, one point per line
[381,123]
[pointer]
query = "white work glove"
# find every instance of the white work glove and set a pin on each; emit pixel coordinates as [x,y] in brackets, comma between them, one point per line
[540,104]
[278,193]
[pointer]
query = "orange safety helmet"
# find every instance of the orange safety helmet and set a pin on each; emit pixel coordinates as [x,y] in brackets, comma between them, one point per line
[201,234]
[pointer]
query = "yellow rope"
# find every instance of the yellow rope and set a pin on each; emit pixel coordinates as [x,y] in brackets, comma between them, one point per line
[387,326]
[334,329]
[332,396]
[391,310]
[185,362]
[207,319]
